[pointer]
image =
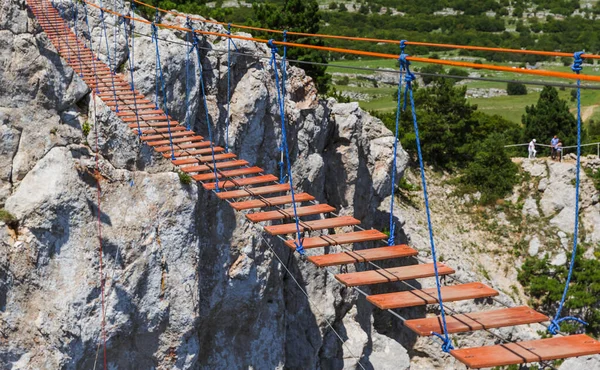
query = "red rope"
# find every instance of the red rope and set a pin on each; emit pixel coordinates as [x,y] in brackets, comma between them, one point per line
[99,193]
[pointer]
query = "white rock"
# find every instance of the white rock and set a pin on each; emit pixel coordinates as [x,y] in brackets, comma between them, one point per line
[559,260]
[530,208]
[534,246]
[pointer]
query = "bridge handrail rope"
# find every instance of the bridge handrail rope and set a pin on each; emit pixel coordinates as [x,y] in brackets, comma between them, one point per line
[164,90]
[283,79]
[545,73]
[208,124]
[130,53]
[391,239]
[280,100]
[408,94]
[376,40]
[75,14]
[555,323]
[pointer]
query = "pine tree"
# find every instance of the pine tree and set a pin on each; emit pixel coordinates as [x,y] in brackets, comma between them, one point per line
[549,117]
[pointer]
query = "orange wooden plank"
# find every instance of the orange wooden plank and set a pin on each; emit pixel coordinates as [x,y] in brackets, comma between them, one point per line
[263,190]
[269,202]
[220,165]
[230,173]
[336,239]
[363,255]
[167,148]
[240,182]
[199,158]
[530,351]
[477,321]
[326,223]
[289,213]
[393,274]
[156,117]
[160,130]
[422,297]
[140,112]
[163,135]
[186,139]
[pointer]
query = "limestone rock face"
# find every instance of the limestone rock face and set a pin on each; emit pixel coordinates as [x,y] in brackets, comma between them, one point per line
[189,283]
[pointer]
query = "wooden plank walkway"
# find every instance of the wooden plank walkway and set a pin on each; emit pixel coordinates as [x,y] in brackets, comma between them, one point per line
[193,154]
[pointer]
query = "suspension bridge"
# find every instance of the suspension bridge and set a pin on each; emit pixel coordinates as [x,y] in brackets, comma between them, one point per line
[274,203]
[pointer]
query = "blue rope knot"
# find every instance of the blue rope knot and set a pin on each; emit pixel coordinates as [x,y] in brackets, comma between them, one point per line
[409,77]
[402,46]
[578,62]
[271,44]
[229,28]
[446,342]
[554,327]
[284,34]
[188,23]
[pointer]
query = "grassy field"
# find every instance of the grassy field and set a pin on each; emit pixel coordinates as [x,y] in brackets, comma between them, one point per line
[510,107]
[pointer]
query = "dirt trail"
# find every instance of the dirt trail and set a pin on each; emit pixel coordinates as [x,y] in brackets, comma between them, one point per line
[586,112]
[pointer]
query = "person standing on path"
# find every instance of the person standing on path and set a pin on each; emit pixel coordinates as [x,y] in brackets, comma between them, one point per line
[553,145]
[559,150]
[532,150]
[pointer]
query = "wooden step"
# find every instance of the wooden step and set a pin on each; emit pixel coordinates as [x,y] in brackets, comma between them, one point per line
[289,213]
[240,182]
[220,165]
[270,202]
[227,174]
[167,148]
[326,223]
[156,117]
[462,323]
[393,274]
[423,297]
[263,190]
[530,351]
[163,135]
[161,130]
[140,113]
[186,139]
[199,158]
[337,239]
[363,255]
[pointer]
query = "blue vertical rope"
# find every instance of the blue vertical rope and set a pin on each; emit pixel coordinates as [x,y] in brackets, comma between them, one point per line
[210,137]
[112,77]
[91,48]
[409,78]
[555,323]
[156,20]
[130,52]
[187,74]
[75,14]
[284,76]
[298,242]
[391,239]
[164,91]
[228,88]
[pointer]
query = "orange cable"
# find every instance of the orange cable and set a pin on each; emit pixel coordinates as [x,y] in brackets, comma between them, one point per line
[386,41]
[541,72]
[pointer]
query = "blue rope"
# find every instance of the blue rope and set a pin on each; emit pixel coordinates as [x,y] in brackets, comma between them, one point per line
[228,88]
[555,324]
[75,13]
[130,52]
[298,241]
[409,78]
[210,137]
[156,20]
[91,48]
[283,77]
[391,239]
[187,75]
[112,77]
[162,82]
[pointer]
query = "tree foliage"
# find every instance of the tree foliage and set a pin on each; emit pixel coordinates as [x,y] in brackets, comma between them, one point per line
[516,88]
[297,16]
[545,284]
[550,116]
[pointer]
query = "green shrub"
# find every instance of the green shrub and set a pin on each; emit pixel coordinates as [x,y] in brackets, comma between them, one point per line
[85,128]
[10,220]
[545,284]
[516,88]
[184,178]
